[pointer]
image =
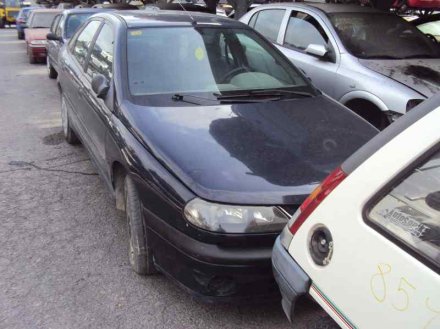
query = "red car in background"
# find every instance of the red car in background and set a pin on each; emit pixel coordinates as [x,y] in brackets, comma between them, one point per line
[424,5]
[35,33]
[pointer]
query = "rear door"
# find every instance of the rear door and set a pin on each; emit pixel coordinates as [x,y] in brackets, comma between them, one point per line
[97,114]
[304,29]
[73,76]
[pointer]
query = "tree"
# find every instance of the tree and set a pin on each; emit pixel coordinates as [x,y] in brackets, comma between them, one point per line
[240,7]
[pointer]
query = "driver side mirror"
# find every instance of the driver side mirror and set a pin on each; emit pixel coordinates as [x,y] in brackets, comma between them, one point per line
[53,37]
[100,85]
[317,50]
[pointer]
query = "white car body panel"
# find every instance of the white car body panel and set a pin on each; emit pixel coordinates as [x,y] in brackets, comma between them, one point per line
[407,293]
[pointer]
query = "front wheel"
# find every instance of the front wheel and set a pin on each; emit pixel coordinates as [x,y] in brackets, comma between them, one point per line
[50,70]
[69,134]
[140,255]
[32,59]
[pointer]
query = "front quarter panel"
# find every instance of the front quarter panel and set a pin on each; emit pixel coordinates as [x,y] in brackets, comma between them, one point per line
[358,82]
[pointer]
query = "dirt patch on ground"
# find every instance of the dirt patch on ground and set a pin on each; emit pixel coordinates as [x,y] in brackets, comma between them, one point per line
[53,139]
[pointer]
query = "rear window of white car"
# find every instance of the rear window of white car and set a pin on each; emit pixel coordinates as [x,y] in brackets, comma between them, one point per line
[410,212]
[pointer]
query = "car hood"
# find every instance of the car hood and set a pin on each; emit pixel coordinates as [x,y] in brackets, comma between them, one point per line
[36,34]
[422,75]
[270,153]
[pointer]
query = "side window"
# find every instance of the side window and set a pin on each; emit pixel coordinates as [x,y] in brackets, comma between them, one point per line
[253,19]
[101,58]
[259,60]
[410,211]
[303,30]
[268,23]
[85,38]
[54,25]
[59,30]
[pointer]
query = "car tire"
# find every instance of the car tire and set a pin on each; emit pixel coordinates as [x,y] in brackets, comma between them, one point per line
[2,24]
[32,59]
[50,70]
[20,35]
[140,255]
[69,134]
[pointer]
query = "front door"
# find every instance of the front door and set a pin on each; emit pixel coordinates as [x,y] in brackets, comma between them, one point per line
[302,30]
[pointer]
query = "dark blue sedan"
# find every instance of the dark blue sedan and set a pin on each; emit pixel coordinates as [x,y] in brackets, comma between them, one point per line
[207,136]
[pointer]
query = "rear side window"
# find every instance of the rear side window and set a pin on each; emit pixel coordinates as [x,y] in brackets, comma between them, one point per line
[268,23]
[410,211]
[303,30]
[85,38]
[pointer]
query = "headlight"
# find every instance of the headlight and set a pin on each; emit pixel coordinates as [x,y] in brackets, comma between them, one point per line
[412,103]
[38,42]
[234,219]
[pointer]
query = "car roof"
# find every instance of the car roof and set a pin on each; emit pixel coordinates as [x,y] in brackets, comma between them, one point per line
[84,10]
[327,8]
[36,11]
[156,17]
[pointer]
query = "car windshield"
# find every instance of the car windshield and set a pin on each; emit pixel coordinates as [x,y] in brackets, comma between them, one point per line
[74,21]
[373,35]
[42,20]
[170,60]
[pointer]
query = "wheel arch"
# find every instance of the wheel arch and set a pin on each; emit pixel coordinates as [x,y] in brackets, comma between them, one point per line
[118,173]
[364,96]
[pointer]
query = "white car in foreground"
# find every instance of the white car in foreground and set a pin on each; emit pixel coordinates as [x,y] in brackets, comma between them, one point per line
[366,243]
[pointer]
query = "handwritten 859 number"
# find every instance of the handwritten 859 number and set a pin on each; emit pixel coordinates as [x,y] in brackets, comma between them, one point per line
[401,297]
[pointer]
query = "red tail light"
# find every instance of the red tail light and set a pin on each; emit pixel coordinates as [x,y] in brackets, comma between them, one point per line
[316,197]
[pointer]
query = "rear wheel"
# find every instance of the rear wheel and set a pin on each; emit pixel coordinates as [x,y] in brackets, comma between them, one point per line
[2,23]
[50,70]
[20,35]
[140,255]
[69,134]
[32,59]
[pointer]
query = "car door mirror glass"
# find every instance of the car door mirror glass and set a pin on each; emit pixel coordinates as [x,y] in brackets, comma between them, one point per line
[100,85]
[317,50]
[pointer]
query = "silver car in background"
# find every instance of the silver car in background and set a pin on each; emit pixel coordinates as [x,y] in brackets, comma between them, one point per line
[373,62]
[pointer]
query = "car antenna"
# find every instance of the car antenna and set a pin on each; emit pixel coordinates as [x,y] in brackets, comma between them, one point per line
[189,14]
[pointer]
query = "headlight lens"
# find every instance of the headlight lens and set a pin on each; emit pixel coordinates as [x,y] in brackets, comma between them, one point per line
[39,42]
[234,219]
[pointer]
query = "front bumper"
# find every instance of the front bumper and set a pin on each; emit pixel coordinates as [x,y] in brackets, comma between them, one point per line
[291,278]
[209,271]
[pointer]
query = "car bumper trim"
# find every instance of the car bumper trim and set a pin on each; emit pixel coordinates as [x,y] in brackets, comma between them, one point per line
[291,278]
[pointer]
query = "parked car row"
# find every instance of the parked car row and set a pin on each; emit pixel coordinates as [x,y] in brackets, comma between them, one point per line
[211,140]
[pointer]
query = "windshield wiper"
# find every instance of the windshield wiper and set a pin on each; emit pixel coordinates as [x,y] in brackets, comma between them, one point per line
[252,94]
[184,98]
